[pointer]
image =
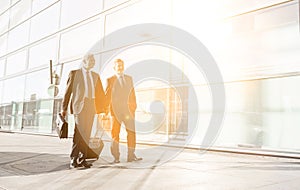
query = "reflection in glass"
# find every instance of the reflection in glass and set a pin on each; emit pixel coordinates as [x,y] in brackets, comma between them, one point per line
[6,111]
[37,116]
[17,113]
[262,114]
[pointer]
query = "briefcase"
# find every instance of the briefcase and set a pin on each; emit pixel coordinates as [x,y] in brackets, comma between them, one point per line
[61,126]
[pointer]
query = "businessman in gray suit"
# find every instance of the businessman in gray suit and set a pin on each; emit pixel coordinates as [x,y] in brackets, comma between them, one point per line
[88,98]
[121,101]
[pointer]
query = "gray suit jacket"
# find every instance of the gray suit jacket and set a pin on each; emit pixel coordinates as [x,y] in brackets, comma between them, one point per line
[76,89]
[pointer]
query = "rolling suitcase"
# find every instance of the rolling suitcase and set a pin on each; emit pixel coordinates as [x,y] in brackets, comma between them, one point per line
[95,148]
[96,144]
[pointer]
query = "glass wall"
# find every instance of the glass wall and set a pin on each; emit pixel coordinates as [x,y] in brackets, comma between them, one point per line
[86,36]
[4,20]
[18,37]
[74,11]
[3,44]
[16,63]
[19,12]
[2,67]
[42,53]
[255,44]
[42,26]
[13,90]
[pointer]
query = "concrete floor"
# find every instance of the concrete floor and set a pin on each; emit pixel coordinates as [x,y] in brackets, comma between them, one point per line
[42,162]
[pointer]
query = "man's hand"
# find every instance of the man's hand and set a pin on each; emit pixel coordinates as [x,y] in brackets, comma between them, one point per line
[101,115]
[63,113]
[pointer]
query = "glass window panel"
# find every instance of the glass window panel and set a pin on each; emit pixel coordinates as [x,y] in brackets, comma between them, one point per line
[38,5]
[4,18]
[2,67]
[18,37]
[132,56]
[44,116]
[250,45]
[221,9]
[266,113]
[110,3]
[37,84]
[41,25]
[73,11]
[42,53]
[233,7]
[3,45]
[13,94]
[78,41]
[263,50]
[4,5]
[19,12]
[14,1]
[276,17]
[148,12]
[16,63]
[1,91]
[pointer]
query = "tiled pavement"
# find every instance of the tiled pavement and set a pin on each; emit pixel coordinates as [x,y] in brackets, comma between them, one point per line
[41,162]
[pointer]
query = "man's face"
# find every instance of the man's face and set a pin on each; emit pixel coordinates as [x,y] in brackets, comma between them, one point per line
[119,67]
[89,63]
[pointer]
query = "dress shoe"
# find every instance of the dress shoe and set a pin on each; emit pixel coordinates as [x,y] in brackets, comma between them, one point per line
[74,163]
[116,161]
[85,164]
[133,158]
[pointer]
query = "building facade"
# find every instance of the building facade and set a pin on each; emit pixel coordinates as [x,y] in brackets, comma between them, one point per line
[255,45]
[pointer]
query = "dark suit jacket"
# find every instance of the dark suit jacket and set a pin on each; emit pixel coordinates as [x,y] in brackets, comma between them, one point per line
[120,99]
[76,88]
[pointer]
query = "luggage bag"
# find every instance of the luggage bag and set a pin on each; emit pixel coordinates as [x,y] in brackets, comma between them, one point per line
[96,143]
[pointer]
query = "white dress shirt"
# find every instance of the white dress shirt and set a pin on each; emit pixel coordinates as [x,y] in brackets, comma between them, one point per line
[84,72]
[121,79]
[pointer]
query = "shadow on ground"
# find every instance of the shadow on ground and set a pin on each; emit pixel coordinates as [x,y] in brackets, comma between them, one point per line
[27,163]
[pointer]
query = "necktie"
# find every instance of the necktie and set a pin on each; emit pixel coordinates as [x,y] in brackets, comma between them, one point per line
[122,82]
[89,85]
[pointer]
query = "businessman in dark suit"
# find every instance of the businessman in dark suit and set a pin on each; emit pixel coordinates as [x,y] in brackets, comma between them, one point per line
[121,100]
[88,98]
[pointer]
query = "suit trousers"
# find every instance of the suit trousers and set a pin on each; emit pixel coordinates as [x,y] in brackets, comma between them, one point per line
[129,123]
[83,127]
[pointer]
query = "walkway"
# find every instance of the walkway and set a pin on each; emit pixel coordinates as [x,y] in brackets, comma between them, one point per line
[41,162]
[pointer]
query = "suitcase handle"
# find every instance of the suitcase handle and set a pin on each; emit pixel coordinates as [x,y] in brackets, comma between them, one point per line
[99,118]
